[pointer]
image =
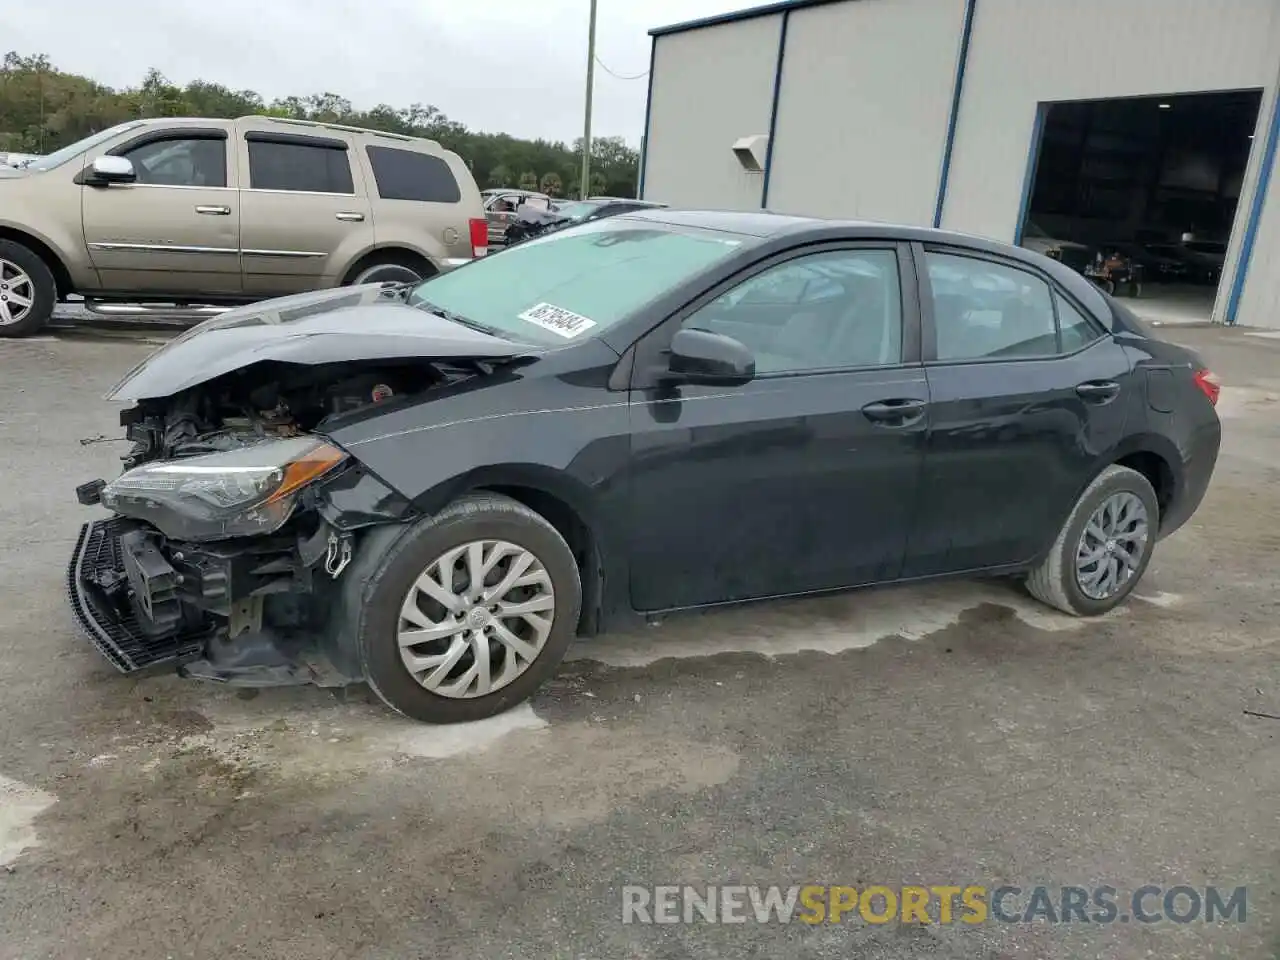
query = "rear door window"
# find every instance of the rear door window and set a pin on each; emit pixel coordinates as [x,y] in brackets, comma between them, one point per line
[408,175]
[984,310]
[304,167]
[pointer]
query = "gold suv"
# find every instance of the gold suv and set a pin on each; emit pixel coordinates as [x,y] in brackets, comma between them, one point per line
[193,211]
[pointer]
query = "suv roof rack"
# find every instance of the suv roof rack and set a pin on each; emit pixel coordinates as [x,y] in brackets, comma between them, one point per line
[323,125]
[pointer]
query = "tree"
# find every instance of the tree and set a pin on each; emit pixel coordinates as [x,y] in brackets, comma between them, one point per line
[550,184]
[43,108]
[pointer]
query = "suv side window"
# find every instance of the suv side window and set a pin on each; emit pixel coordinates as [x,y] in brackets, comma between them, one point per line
[407,175]
[985,310]
[825,311]
[190,162]
[287,165]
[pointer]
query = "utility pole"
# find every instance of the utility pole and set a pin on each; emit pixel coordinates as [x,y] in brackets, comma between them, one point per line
[585,183]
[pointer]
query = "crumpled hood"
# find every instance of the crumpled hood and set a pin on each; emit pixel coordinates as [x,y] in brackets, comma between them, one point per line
[324,326]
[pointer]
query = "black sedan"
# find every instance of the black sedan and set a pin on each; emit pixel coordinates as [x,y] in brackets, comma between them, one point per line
[532,223]
[435,488]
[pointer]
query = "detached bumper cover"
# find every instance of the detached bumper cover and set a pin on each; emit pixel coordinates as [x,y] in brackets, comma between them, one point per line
[102,600]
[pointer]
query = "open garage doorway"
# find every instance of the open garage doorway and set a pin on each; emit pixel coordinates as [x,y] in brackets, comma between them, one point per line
[1140,194]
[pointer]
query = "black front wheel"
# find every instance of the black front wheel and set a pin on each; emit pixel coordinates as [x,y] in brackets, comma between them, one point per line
[470,612]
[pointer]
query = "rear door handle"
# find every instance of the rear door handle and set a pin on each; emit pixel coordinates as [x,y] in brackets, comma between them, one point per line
[898,412]
[214,211]
[350,217]
[1099,391]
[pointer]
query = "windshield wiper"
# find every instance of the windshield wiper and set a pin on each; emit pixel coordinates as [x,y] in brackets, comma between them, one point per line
[459,319]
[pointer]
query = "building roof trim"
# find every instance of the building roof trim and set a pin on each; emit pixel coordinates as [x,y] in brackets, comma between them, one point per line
[735,16]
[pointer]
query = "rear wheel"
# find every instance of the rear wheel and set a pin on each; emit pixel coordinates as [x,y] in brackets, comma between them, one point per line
[28,292]
[392,268]
[1104,547]
[470,612]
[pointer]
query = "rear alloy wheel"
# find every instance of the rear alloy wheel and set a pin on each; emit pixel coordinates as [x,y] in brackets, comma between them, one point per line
[1104,547]
[27,291]
[471,611]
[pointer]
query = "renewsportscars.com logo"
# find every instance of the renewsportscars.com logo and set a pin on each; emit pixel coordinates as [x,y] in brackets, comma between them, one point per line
[943,904]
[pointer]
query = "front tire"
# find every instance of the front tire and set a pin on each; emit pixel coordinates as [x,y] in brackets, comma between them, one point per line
[28,292]
[470,612]
[1104,547]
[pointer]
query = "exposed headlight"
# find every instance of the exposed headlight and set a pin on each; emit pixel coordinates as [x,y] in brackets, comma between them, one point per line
[234,494]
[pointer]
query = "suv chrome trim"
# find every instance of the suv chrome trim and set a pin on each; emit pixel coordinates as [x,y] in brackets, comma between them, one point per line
[292,254]
[161,248]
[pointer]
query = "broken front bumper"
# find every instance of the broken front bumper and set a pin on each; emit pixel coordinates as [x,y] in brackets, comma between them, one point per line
[133,630]
[245,613]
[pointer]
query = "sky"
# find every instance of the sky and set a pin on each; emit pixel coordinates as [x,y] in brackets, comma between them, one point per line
[512,66]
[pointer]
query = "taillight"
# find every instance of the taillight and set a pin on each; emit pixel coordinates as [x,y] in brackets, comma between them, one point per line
[479,237]
[1209,385]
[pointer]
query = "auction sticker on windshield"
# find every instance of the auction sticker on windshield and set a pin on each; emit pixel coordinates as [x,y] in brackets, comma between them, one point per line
[558,320]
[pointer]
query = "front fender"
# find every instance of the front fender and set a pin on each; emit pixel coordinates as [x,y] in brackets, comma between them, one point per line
[552,426]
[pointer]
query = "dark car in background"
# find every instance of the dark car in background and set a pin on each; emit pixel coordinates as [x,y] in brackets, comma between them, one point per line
[435,488]
[531,222]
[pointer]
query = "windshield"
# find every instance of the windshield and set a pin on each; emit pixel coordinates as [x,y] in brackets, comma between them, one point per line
[575,283]
[59,157]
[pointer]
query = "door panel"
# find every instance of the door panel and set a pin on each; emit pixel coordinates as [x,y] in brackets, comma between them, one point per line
[164,233]
[782,485]
[1012,440]
[305,212]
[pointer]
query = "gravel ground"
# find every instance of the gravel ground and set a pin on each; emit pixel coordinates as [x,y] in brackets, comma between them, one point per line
[945,734]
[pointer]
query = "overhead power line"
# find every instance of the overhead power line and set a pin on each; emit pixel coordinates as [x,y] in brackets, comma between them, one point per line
[619,76]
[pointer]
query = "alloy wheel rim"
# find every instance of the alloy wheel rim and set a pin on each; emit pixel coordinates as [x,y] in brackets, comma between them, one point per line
[1111,546]
[17,293]
[476,619]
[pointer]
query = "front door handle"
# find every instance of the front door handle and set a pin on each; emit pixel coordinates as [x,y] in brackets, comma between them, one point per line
[1098,391]
[349,217]
[898,412]
[214,211]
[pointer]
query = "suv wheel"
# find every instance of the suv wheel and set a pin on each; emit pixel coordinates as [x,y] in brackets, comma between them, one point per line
[469,612]
[1104,547]
[27,291]
[387,272]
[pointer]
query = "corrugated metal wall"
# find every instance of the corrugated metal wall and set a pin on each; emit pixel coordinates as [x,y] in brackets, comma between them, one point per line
[1024,52]
[711,86]
[866,91]
[863,109]
[1259,302]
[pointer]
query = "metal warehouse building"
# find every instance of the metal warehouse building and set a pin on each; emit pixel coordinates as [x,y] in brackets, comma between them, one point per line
[1148,125]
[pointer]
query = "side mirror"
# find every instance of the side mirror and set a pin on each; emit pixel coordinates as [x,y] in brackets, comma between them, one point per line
[699,356]
[107,170]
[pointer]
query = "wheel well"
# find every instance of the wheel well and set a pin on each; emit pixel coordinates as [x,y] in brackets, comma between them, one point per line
[570,525]
[398,255]
[61,275]
[1158,473]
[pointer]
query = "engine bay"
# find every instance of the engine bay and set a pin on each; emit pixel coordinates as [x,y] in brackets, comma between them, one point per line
[272,400]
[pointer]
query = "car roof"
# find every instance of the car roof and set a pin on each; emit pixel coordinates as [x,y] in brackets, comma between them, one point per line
[766,226]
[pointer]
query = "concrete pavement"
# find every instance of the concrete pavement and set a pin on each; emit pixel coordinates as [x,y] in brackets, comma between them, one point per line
[944,734]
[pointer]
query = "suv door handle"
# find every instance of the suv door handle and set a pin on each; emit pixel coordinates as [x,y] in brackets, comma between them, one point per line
[1098,391]
[214,211]
[349,217]
[897,412]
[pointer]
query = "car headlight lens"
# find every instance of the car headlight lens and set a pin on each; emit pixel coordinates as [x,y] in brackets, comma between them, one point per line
[239,493]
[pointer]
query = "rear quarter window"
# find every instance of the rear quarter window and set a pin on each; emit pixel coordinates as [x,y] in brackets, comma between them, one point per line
[407,175]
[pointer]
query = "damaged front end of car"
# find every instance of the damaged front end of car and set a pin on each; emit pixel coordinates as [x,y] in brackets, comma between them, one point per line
[240,535]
